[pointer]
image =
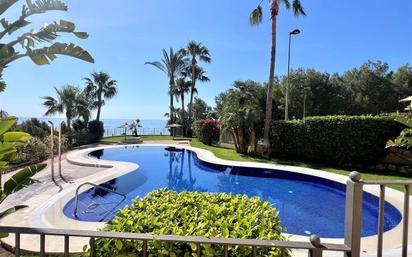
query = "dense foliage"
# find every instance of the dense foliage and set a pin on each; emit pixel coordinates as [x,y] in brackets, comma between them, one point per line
[34,127]
[334,139]
[96,129]
[241,110]
[370,89]
[197,214]
[33,151]
[208,131]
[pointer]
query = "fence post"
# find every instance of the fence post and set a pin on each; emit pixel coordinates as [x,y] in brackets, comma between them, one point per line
[353,214]
[315,241]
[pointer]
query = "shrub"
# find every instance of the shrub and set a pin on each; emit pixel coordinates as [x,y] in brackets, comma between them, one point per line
[198,214]
[334,139]
[96,128]
[65,143]
[207,131]
[34,127]
[33,151]
[83,137]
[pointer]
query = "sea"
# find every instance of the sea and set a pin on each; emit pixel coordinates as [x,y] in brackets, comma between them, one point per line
[111,126]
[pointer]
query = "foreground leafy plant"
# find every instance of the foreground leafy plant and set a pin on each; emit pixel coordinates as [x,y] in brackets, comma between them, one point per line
[196,214]
[8,143]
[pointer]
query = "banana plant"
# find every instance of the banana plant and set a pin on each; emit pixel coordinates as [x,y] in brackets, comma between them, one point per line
[18,181]
[28,44]
[9,140]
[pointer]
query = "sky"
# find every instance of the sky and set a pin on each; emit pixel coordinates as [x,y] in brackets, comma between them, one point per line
[336,36]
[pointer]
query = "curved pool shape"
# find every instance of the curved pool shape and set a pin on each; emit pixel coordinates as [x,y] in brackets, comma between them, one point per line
[306,204]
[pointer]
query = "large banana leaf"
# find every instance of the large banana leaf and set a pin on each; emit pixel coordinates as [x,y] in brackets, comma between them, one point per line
[44,55]
[49,32]
[9,141]
[6,124]
[22,179]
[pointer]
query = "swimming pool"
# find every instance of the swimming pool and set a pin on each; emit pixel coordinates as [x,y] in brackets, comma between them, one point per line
[306,204]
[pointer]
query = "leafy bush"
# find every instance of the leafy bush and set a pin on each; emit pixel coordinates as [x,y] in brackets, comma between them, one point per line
[334,139]
[65,143]
[34,127]
[198,214]
[33,151]
[83,137]
[96,128]
[207,131]
[79,124]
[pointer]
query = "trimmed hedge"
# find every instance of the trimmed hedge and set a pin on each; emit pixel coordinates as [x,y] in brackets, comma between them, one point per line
[198,214]
[207,131]
[342,140]
[96,128]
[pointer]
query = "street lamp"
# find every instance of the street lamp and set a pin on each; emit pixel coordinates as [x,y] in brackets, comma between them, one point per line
[294,32]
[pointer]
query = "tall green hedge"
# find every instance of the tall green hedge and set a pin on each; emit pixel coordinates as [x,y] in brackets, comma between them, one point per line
[334,139]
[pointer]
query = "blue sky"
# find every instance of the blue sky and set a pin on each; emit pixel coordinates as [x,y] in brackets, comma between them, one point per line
[336,35]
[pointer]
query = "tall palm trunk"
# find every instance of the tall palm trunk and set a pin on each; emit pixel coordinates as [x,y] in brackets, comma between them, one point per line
[69,128]
[274,8]
[171,114]
[99,102]
[192,91]
[182,99]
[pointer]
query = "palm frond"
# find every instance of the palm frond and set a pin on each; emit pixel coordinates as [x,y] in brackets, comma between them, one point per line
[256,16]
[158,65]
[298,8]
[286,3]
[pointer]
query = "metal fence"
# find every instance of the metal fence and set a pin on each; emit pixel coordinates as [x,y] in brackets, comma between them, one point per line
[315,247]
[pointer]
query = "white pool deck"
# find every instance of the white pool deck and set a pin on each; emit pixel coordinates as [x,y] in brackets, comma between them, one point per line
[46,201]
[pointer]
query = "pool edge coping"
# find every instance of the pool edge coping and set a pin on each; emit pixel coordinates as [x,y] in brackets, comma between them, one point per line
[43,215]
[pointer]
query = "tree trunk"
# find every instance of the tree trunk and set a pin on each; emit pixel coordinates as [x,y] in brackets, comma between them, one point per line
[235,140]
[69,128]
[171,114]
[268,117]
[182,99]
[192,91]
[99,103]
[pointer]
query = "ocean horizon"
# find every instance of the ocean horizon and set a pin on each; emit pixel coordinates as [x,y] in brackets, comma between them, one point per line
[111,126]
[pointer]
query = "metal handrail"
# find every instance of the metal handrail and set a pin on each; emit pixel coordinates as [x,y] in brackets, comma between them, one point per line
[313,246]
[76,197]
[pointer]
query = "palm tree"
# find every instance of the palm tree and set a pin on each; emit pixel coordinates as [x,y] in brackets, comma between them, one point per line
[200,75]
[172,64]
[196,51]
[255,19]
[183,87]
[100,86]
[71,101]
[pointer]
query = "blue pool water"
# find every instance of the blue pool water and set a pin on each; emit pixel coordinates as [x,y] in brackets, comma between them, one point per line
[306,204]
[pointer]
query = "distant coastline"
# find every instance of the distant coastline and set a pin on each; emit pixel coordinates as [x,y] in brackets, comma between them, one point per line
[111,126]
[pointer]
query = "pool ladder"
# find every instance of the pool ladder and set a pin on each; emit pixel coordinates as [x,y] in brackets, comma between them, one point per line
[76,197]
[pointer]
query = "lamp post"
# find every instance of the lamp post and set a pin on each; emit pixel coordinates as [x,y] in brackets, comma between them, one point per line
[294,32]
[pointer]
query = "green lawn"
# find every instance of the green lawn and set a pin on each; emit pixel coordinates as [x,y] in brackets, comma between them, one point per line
[230,154]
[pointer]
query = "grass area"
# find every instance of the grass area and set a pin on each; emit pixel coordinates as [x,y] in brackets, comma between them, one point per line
[231,154]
